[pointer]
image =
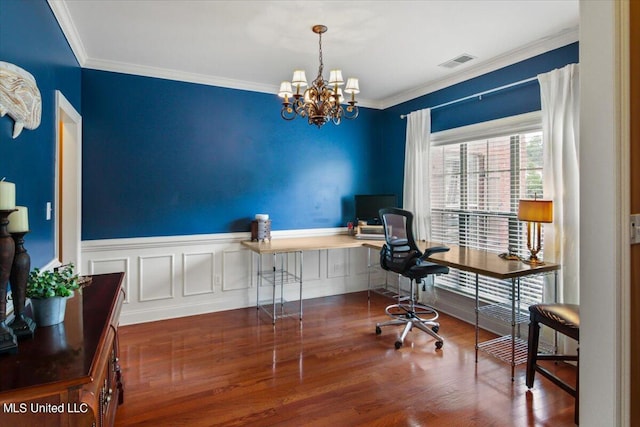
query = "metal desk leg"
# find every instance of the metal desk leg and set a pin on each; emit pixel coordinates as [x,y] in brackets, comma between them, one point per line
[274,288]
[259,282]
[300,285]
[513,326]
[555,299]
[477,315]
[368,273]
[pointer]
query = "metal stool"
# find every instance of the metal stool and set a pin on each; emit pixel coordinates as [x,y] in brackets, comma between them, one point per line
[563,318]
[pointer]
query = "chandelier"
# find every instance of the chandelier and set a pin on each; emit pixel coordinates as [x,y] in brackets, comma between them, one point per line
[322,101]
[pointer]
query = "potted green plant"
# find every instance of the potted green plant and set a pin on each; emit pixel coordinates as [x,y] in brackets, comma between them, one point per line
[49,291]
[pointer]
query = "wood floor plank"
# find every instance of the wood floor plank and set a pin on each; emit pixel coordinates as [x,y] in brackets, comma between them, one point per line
[234,368]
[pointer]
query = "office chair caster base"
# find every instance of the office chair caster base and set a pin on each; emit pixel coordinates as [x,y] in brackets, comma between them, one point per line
[378,330]
[412,311]
[439,345]
[398,344]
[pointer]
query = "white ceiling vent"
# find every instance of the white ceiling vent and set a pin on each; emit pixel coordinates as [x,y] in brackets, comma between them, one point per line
[458,60]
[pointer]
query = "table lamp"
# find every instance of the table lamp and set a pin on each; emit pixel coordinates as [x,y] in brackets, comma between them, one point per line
[535,212]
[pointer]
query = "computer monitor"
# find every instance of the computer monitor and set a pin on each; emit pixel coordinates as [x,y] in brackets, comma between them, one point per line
[368,205]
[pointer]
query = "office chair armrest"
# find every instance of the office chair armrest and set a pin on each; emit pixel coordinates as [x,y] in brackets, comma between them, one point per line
[433,250]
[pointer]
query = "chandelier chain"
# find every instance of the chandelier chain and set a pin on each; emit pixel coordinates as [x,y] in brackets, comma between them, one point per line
[321,69]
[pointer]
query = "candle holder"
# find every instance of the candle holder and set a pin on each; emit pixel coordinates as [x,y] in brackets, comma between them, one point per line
[22,325]
[8,341]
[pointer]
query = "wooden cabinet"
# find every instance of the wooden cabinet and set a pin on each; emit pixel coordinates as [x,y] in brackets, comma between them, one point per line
[68,374]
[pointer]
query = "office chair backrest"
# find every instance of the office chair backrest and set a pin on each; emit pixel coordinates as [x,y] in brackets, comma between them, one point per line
[400,251]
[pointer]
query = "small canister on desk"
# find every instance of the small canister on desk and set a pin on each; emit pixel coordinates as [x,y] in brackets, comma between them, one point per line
[261,228]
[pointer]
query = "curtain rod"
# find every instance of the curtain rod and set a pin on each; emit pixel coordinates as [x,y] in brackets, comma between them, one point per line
[479,94]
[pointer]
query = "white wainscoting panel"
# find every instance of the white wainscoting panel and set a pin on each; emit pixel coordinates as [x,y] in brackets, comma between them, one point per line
[234,278]
[198,273]
[156,277]
[177,276]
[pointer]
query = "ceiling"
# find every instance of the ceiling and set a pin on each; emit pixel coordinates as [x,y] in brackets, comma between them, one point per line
[393,47]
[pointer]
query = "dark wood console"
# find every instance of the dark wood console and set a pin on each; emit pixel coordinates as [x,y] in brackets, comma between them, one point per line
[68,374]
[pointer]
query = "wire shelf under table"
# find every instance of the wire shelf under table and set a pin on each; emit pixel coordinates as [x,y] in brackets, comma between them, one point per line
[503,312]
[500,348]
[277,277]
[282,308]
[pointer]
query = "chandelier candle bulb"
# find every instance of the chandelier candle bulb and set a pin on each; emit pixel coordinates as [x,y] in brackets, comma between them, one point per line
[19,220]
[7,195]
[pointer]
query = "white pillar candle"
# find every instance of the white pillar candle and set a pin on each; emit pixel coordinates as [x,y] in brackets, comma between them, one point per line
[7,196]
[19,220]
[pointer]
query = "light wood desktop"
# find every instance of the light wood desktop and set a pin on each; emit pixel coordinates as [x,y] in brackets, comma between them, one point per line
[478,261]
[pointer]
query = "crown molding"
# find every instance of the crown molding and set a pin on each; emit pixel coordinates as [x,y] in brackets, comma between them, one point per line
[182,76]
[62,15]
[511,57]
[169,74]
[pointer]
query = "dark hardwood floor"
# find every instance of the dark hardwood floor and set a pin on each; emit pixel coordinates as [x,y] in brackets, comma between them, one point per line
[234,368]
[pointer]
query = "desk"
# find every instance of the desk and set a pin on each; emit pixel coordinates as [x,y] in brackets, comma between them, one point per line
[280,275]
[472,260]
[489,264]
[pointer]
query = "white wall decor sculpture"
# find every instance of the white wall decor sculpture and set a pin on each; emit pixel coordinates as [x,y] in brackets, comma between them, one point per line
[19,97]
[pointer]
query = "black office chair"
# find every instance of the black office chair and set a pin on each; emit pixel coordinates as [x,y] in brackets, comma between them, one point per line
[401,255]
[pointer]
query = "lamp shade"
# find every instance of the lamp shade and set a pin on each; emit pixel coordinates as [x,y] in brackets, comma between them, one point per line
[299,78]
[335,78]
[352,86]
[285,90]
[535,210]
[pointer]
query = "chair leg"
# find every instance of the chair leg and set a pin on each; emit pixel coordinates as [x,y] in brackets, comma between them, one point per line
[532,360]
[425,328]
[532,351]
[391,323]
[405,331]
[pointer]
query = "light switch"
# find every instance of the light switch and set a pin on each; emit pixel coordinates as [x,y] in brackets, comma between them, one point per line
[48,211]
[635,229]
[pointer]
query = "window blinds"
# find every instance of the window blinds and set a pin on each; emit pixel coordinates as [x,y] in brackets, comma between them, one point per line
[475,188]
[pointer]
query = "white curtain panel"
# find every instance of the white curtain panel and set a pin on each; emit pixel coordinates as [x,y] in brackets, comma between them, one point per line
[559,93]
[416,172]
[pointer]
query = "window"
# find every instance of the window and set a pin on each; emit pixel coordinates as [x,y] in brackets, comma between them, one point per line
[478,174]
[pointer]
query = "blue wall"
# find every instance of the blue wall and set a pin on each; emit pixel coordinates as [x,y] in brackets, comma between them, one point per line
[509,102]
[31,39]
[162,157]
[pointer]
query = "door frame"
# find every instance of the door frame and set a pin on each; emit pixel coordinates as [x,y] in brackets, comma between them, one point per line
[68,183]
